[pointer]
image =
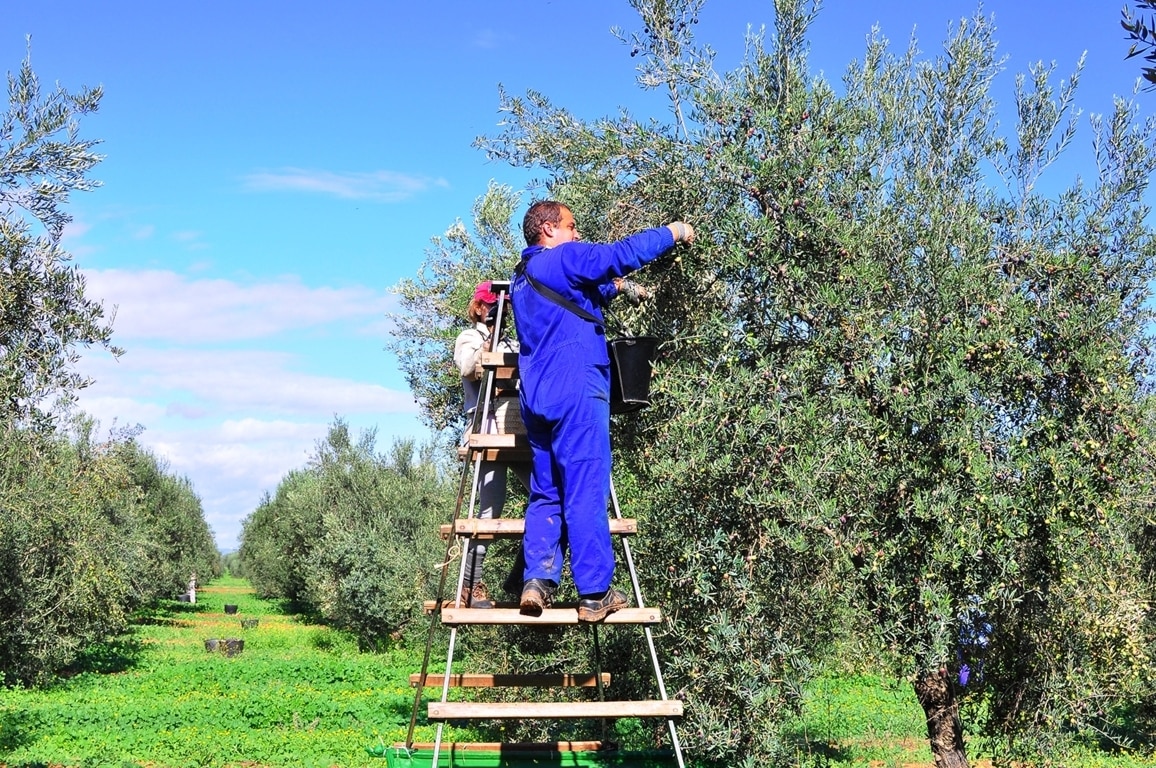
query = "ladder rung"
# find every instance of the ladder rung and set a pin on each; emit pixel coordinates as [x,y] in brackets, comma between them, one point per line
[497,440]
[497,454]
[548,617]
[496,447]
[466,710]
[500,360]
[510,527]
[515,747]
[476,680]
[505,375]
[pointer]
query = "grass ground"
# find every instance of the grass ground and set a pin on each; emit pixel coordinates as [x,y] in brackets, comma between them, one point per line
[301,695]
[298,695]
[865,721]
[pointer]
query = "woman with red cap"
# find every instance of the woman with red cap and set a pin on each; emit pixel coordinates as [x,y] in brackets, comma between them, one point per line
[468,350]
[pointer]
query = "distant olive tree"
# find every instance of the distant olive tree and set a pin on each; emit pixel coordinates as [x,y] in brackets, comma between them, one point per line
[353,536]
[44,312]
[74,550]
[179,540]
[90,531]
[279,536]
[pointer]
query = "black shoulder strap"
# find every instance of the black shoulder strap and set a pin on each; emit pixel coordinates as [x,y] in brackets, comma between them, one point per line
[555,297]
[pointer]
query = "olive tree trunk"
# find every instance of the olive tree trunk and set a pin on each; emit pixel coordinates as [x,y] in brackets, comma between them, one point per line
[944,729]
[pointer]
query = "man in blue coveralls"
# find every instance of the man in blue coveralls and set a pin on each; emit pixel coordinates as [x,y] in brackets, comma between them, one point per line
[565,394]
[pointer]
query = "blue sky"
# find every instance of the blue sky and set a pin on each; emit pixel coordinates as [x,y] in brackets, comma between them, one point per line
[274,168]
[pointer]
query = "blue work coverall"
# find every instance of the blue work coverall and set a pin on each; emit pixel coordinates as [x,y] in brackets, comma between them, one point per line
[565,391]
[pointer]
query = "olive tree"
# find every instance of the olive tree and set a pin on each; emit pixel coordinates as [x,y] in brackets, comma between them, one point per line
[44,312]
[353,536]
[66,564]
[902,378]
[180,542]
[1141,30]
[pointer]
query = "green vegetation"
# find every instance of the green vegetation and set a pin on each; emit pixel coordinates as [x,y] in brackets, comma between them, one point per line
[301,694]
[907,385]
[353,537]
[298,695]
[90,529]
[44,312]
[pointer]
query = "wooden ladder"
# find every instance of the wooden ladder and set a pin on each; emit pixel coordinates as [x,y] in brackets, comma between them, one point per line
[500,373]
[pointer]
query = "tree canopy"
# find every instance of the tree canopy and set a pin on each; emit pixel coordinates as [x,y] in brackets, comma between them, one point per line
[44,312]
[907,377]
[1142,32]
[90,530]
[353,536]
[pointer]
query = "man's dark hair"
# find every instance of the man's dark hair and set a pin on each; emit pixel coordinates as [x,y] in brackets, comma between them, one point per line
[541,212]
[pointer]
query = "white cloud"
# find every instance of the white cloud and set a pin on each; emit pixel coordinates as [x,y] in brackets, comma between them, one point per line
[232,464]
[233,422]
[160,304]
[71,236]
[74,230]
[383,186]
[223,380]
[232,469]
[190,239]
[487,39]
[207,374]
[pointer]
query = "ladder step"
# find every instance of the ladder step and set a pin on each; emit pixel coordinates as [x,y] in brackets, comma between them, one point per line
[511,527]
[476,680]
[499,360]
[504,368]
[515,747]
[469,710]
[504,375]
[497,440]
[551,617]
[496,447]
[497,454]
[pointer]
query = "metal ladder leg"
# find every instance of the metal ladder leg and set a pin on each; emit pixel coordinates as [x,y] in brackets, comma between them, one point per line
[435,615]
[480,417]
[629,557]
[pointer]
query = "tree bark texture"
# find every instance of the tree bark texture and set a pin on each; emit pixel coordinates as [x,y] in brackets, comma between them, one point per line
[944,729]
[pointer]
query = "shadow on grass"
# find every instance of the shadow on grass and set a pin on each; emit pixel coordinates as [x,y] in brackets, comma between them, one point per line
[124,652]
[166,614]
[820,750]
[1133,728]
[106,658]
[302,612]
[17,729]
[170,606]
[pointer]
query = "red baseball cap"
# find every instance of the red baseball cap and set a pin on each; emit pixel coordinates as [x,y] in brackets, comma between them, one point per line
[484,294]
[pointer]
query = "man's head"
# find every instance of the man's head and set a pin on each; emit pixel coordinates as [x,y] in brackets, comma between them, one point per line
[549,223]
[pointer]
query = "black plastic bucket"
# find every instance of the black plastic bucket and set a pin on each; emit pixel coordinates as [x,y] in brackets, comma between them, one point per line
[631,359]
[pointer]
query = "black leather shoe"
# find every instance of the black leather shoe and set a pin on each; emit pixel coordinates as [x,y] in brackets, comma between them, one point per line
[537,595]
[598,608]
